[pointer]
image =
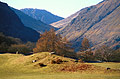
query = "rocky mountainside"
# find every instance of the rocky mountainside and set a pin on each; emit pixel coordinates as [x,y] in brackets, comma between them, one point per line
[64,22]
[11,25]
[33,23]
[99,23]
[42,15]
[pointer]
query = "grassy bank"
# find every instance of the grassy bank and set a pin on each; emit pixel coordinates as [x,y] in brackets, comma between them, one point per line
[16,66]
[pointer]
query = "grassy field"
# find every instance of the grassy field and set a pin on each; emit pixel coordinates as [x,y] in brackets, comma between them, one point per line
[16,66]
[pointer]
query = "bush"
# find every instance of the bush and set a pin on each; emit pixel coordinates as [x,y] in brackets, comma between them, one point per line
[57,61]
[53,62]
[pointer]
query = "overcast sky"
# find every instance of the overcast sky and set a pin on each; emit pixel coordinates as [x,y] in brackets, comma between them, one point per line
[63,8]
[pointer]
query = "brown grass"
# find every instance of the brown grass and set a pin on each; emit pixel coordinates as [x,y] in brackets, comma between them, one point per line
[76,67]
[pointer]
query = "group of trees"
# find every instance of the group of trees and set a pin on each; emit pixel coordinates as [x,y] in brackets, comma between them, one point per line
[12,45]
[51,42]
[85,53]
[103,53]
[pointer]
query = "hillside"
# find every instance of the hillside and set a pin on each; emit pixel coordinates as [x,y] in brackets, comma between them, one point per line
[42,15]
[99,23]
[42,57]
[11,25]
[18,66]
[64,22]
[32,23]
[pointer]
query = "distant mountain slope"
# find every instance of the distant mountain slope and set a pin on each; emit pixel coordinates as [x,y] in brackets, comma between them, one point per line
[11,25]
[99,23]
[32,23]
[42,15]
[64,22]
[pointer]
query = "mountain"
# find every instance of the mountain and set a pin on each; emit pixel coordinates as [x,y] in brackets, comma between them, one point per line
[64,22]
[33,23]
[99,23]
[42,15]
[11,25]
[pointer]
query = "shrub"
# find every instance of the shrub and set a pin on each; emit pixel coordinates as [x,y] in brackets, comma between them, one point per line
[57,61]
[53,62]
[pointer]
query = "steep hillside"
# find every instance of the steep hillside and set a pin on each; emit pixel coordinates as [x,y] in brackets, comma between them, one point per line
[11,25]
[99,23]
[64,22]
[42,15]
[32,23]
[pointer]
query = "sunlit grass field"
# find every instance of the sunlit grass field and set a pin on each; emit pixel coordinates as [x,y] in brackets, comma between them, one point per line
[17,66]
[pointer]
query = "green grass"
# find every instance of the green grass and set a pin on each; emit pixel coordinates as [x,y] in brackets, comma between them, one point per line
[16,66]
[111,65]
[60,76]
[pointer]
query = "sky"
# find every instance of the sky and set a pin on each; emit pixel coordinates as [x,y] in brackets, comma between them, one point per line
[63,8]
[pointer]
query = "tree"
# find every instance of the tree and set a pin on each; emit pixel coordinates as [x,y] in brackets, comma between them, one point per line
[86,56]
[20,48]
[3,47]
[30,45]
[116,56]
[7,41]
[50,42]
[85,44]
[86,53]
[104,53]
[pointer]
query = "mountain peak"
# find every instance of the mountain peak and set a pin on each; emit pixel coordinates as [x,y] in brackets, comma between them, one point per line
[30,22]
[41,14]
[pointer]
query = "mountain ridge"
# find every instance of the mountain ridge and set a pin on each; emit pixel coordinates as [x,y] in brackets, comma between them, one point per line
[28,21]
[94,17]
[64,22]
[11,25]
[43,15]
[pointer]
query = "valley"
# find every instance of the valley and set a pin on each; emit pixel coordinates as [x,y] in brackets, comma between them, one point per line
[38,44]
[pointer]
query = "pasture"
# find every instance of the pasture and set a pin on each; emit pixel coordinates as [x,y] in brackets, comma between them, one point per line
[17,66]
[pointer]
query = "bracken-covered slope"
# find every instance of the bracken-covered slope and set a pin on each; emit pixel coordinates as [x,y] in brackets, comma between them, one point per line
[42,15]
[99,23]
[64,22]
[32,23]
[11,25]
